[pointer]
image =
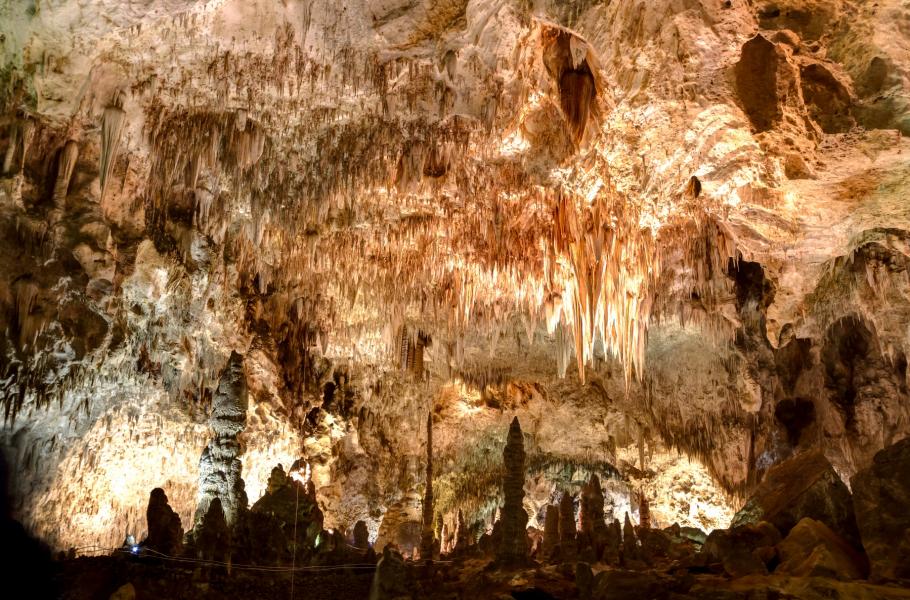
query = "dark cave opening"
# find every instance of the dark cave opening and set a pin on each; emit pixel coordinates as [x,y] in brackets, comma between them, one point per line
[795,414]
[847,344]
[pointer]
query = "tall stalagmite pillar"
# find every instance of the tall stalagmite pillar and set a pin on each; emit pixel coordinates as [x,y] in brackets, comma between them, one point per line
[426,538]
[513,547]
[567,530]
[220,467]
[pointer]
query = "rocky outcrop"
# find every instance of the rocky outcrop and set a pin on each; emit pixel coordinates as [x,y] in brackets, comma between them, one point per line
[273,520]
[812,550]
[744,549]
[165,532]
[803,486]
[768,83]
[513,546]
[220,467]
[881,497]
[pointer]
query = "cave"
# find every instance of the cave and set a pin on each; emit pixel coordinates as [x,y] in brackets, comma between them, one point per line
[454,299]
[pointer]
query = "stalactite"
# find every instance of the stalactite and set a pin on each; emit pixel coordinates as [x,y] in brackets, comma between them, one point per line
[111,130]
[65,165]
[11,149]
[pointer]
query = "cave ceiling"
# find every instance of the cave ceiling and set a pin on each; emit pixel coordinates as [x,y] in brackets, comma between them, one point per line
[645,227]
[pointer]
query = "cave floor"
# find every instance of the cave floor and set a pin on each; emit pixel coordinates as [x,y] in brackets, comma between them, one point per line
[103,578]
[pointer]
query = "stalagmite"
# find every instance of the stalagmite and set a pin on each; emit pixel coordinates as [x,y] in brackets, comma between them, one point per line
[427,537]
[630,551]
[513,547]
[361,535]
[550,531]
[462,535]
[644,511]
[591,516]
[165,533]
[220,467]
[567,528]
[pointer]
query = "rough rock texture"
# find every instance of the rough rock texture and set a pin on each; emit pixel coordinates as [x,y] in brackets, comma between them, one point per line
[220,466]
[742,549]
[567,527]
[391,581]
[550,532]
[811,549]
[803,486]
[513,545]
[165,532]
[361,535]
[427,535]
[591,515]
[212,537]
[881,494]
[274,518]
[585,214]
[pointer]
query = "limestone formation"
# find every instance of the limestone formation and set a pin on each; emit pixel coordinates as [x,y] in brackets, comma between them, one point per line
[567,528]
[513,545]
[165,532]
[212,536]
[591,515]
[803,486]
[462,534]
[813,550]
[644,511]
[742,549]
[391,581]
[630,549]
[671,237]
[283,510]
[550,531]
[220,466]
[427,537]
[361,535]
[881,495]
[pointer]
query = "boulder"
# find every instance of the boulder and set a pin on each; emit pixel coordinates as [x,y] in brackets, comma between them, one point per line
[742,550]
[805,485]
[813,550]
[881,499]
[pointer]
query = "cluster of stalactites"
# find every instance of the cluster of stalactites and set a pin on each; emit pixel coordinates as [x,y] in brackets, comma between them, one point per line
[476,240]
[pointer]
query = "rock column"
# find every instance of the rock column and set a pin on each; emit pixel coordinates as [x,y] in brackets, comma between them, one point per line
[426,537]
[220,467]
[513,546]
